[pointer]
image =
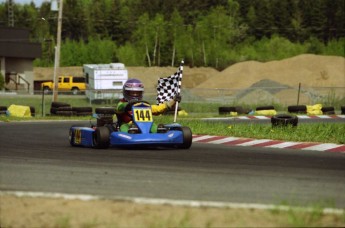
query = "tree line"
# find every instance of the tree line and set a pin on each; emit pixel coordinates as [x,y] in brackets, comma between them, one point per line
[213,33]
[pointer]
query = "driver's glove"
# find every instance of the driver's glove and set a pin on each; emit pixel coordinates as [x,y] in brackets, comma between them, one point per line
[173,101]
[178,98]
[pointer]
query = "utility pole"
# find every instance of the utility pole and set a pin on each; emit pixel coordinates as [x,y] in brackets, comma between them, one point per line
[57,53]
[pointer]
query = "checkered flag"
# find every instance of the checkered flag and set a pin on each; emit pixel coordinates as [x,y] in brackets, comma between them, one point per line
[168,87]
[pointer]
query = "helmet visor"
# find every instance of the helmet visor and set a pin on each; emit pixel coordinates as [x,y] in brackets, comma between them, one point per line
[135,94]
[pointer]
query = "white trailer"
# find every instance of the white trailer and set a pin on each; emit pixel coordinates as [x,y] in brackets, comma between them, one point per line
[104,81]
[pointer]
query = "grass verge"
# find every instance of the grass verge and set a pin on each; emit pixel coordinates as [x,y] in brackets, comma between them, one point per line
[47,212]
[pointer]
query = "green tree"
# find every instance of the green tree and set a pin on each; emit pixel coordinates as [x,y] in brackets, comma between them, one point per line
[74,23]
[335,23]
[201,41]
[97,16]
[115,23]
[158,25]
[176,33]
[264,23]
[188,46]
[128,54]
[143,36]
[281,11]
[313,18]
[25,15]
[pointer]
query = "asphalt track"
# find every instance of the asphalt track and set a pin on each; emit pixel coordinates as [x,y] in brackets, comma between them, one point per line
[37,157]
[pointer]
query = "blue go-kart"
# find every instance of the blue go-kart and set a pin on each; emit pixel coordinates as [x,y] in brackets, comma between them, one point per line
[107,133]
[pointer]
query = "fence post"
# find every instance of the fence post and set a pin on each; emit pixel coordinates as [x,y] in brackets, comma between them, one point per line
[299,91]
[43,102]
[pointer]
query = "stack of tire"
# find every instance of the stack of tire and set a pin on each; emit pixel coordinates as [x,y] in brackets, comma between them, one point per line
[82,111]
[302,109]
[105,115]
[65,109]
[328,110]
[299,109]
[268,110]
[61,109]
[264,108]
[3,110]
[232,109]
[342,110]
[284,120]
[32,110]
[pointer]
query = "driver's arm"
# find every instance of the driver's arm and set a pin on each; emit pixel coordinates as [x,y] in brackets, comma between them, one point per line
[158,109]
[167,105]
[121,106]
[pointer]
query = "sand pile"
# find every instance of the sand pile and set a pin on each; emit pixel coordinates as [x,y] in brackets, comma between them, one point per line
[309,70]
[246,82]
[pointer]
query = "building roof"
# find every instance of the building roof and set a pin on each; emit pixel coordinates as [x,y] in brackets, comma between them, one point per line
[14,42]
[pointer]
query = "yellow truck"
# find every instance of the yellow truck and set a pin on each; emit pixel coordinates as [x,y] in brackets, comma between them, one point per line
[75,85]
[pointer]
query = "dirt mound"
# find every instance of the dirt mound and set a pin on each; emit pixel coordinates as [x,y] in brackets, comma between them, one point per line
[191,76]
[258,96]
[309,70]
[240,80]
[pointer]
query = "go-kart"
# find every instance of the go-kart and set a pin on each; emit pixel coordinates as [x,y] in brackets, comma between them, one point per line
[107,132]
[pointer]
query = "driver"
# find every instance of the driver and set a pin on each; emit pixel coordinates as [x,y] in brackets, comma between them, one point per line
[133,90]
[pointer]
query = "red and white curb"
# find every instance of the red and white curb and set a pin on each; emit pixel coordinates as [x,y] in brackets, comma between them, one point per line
[268,143]
[269,117]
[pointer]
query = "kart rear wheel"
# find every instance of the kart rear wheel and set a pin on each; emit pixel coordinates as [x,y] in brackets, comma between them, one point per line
[187,138]
[101,138]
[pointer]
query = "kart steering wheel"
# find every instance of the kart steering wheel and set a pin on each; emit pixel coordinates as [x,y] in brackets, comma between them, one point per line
[128,107]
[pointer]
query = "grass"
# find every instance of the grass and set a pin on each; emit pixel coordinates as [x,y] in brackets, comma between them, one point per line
[20,211]
[313,132]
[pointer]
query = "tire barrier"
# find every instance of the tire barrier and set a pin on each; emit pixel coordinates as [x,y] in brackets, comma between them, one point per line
[301,109]
[65,109]
[61,111]
[235,109]
[269,110]
[265,110]
[328,110]
[105,115]
[33,111]
[56,104]
[3,110]
[283,120]
[82,111]
[260,108]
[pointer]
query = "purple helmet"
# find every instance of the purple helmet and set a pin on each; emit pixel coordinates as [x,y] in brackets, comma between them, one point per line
[133,89]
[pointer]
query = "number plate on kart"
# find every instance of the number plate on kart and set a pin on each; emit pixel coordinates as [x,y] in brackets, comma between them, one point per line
[142,114]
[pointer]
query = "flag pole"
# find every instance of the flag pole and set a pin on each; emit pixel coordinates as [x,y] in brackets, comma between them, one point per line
[176,108]
[178,90]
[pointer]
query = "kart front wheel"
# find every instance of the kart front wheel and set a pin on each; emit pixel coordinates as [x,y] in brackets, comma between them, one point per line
[187,138]
[101,138]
